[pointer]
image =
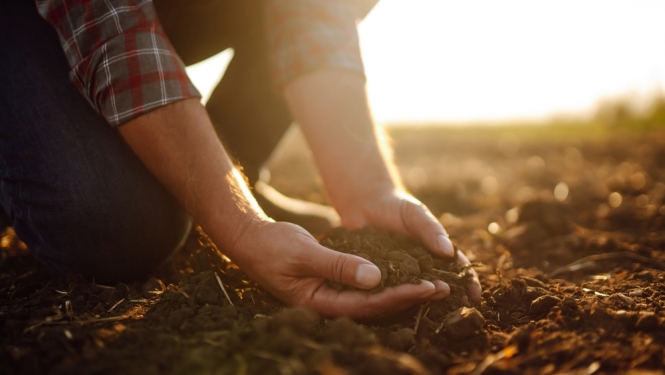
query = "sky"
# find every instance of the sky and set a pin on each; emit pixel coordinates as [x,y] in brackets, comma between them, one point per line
[468,61]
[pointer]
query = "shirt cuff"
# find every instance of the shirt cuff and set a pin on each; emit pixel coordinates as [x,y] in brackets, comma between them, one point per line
[132,74]
[308,35]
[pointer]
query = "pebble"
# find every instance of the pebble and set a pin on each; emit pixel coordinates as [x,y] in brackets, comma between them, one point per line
[152,287]
[569,302]
[533,282]
[463,323]
[543,304]
[625,298]
[636,293]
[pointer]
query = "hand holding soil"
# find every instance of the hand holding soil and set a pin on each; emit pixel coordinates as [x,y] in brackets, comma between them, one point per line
[399,212]
[288,262]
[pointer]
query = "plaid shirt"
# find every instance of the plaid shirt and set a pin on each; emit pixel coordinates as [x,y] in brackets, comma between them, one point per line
[123,63]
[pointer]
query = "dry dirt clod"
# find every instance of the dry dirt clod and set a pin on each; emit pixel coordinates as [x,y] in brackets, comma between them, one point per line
[543,304]
[152,287]
[463,323]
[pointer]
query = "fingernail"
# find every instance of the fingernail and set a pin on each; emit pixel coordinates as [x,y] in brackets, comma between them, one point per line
[445,246]
[368,276]
[427,294]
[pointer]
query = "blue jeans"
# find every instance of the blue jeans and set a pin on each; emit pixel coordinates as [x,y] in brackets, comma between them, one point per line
[74,191]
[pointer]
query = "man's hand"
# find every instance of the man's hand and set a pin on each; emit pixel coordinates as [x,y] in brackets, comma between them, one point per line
[331,107]
[289,263]
[179,146]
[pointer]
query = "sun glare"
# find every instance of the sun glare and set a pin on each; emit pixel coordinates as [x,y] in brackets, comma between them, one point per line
[447,61]
[432,60]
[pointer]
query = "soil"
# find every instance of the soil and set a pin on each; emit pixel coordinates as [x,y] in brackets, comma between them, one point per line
[572,283]
[399,259]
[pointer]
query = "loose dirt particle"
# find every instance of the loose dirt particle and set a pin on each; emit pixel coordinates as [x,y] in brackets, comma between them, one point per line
[463,323]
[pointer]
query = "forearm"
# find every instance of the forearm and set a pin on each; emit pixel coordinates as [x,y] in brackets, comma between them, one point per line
[180,147]
[331,107]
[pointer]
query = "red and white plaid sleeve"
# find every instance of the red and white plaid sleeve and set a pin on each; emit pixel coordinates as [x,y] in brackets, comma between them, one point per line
[121,60]
[306,35]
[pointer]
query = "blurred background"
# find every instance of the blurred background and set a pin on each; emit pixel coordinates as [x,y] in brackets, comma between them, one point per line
[433,61]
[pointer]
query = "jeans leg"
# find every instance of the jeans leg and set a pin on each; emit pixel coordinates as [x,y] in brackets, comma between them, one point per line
[250,116]
[76,194]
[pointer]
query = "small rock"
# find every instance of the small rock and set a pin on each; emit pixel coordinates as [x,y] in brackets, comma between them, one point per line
[636,293]
[463,323]
[625,299]
[647,321]
[569,302]
[620,313]
[402,339]
[533,282]
[152,287]
[543,304]
[206,294]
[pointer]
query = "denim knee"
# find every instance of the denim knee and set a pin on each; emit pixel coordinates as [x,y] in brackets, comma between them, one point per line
[108,234]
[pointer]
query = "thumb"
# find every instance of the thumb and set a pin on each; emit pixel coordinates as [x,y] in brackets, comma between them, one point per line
[343,268]
[420,223]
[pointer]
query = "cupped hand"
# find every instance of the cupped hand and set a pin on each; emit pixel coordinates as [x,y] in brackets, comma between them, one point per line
[287,261]
[398,211]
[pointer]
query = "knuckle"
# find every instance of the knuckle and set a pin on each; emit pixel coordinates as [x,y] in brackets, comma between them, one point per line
[336,268]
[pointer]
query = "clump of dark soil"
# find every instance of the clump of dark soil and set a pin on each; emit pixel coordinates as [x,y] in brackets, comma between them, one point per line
[399,259]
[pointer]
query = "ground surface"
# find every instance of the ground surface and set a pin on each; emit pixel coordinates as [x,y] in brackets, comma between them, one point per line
[571,285]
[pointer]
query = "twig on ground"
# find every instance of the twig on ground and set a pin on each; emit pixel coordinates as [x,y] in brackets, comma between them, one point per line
[579,264]
[115,305]
[221,285]
[105,287]
[69,310]
[49,321]
[180,291]
[420,313]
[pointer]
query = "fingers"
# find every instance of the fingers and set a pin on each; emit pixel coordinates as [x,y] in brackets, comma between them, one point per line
[357,304]
[420,222]
[347,269]
[442,290]
[474,289]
